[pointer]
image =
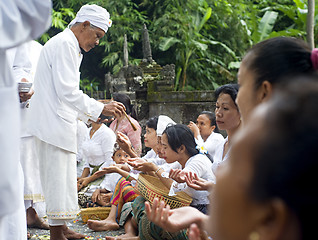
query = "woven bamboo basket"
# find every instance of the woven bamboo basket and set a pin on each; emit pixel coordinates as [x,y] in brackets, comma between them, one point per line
[151,187]
[95,213]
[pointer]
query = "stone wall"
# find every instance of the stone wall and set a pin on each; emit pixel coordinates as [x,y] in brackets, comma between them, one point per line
[181,106]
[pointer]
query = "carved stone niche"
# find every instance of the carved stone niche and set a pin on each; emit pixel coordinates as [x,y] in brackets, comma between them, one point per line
[167,74]
[134,78]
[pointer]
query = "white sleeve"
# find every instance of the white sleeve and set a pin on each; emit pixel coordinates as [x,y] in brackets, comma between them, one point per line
[23,20]
[22,63]
[197,166]
[199,141]
[66,77]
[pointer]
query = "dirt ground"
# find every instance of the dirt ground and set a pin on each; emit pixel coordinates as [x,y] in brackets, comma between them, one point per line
[78,226]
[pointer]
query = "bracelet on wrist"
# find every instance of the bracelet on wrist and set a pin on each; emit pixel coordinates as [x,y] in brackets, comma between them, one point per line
[158,170]
[127,177]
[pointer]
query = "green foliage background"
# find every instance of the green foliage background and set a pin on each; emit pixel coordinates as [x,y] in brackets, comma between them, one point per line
[205,39]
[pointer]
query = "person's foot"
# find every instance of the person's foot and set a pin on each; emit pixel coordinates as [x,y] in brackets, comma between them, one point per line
[34,221]
[29,235]
[56,233]
[39,223]
[70,234]
[104,225]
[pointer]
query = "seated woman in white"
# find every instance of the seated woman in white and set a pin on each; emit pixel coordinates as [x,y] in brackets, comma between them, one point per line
[154,129]
[97,151]
[178,145]
[205,132]
[228,118]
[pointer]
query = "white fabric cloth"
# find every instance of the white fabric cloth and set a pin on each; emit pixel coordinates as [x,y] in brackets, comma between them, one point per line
[96,15]
[9,148]
[218,156]
[150,154]
[20,61]
[211,143]
[23,60]
[163,122]
[58,177]
[57,101]
[202,166]
[33,194]
[20,21]
[110,181]
[23,20]
[99,149]
[82,134]
[13,226]
[82,130]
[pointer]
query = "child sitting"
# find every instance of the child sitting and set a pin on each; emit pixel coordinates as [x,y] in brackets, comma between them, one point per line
[100,195]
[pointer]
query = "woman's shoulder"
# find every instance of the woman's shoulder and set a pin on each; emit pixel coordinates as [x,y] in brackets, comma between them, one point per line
[106,130]
[150,154]
[216,136]
[202,158]
[201,165]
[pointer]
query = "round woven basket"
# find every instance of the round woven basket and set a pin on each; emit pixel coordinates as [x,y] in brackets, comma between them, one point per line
[151,187]
[94,213]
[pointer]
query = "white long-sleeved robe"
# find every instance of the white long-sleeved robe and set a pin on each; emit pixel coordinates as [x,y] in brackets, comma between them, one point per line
[58,101]
[24,60]
[20,21]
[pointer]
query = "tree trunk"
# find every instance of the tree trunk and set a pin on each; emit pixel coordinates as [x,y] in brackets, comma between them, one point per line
[310,23]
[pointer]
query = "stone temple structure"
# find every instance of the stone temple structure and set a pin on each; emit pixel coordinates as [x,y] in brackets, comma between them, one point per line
[137,81]
[150,86]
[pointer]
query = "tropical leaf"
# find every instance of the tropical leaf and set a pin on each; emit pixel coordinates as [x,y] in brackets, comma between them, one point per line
[234,65]
[166,43]
[301,9]
[266,24]
[205,18]
[229,50]
[289,32]
[199,45]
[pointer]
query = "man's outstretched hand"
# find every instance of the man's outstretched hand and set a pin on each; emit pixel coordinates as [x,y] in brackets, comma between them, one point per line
[114,108]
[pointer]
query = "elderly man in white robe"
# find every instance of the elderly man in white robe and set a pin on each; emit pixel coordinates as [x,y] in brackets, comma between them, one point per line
[55,107]
[20,21]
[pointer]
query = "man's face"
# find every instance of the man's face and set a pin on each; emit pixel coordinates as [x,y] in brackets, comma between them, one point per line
[204,125]
[90,36]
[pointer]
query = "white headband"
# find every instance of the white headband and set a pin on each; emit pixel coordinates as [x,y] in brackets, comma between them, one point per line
[96,15]
[163,122]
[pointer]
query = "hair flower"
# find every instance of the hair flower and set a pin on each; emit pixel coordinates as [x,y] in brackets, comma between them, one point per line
[201,149]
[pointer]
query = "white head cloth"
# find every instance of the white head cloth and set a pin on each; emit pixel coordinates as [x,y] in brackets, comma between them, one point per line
[96,15]
[163,122]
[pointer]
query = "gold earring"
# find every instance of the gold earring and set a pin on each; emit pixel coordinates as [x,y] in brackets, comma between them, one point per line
[254,236]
